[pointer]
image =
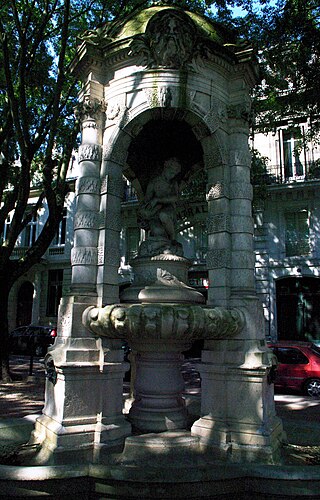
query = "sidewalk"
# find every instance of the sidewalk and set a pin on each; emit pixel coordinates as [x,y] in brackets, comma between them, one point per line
[26,396]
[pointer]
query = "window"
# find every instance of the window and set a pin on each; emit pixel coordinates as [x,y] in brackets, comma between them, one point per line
[297,233]
[60,237]
[5,229]
[129,193]
[55,281]
[290,356]
[132,243]
[30,232]
[292,150]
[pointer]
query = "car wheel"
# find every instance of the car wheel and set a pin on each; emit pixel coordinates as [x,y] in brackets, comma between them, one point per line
[313,387]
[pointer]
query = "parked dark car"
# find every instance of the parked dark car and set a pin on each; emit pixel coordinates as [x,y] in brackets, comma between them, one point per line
[298,366]
[32,339]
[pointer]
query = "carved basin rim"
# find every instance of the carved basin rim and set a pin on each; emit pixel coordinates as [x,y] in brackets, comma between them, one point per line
[163,322]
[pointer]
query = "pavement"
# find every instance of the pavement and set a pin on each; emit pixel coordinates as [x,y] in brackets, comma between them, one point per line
[22,400]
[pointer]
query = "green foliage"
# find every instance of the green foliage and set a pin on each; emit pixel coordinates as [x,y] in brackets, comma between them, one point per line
[314,170]
[260,178]
[287,38]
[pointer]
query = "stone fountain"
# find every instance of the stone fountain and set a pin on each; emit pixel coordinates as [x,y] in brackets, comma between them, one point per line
[164,92]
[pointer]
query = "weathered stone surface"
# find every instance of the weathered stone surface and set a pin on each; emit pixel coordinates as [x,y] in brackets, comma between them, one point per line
[167,322]
[161,66]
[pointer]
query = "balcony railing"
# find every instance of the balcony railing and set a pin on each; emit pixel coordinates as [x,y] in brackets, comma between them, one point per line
[280,174]
[57,250]
[19,252]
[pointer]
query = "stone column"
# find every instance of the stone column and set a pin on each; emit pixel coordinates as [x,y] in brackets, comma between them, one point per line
[83,416]
[241,221]
[218,224]
[158,405]
[238,420]
[84,254]
[109,234]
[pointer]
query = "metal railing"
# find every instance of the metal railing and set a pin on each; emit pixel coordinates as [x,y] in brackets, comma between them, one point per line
[20,251]
[280,174]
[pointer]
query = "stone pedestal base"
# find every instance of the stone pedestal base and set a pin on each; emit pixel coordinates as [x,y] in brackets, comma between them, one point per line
[158,404]
[161,279]
[238,420]
[166,449]
[78,421]
[240,442]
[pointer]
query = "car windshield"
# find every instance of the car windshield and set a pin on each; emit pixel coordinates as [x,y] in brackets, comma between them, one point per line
[316,349]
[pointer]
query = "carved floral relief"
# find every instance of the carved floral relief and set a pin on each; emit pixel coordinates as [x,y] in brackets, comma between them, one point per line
[90,152]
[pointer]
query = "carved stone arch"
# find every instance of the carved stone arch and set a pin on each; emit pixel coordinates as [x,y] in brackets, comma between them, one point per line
[161,133]
[215,145]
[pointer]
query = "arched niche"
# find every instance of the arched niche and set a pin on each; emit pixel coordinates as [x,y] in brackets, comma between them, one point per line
[154,135]
[298,307]
[159,140]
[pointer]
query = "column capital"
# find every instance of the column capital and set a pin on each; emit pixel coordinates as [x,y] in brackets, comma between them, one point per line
[90,109]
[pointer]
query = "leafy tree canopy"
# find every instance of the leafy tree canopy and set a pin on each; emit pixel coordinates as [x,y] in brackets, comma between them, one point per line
[286,35]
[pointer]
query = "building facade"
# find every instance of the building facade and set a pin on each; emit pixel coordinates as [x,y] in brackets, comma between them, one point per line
[287,233]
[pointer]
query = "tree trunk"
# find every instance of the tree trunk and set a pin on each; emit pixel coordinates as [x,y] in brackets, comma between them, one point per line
[4,331]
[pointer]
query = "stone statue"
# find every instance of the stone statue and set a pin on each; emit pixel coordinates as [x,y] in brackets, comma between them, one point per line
[158,212]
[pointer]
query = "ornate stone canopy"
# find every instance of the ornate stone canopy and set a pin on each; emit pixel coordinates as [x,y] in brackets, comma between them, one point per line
[164,91]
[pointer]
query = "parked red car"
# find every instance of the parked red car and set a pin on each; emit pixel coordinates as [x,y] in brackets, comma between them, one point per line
[298,366]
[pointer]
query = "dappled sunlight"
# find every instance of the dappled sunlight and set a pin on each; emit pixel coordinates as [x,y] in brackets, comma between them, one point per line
[295,402]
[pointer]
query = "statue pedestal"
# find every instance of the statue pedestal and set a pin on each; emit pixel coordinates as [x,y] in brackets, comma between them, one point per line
[161,279]
[78,424]
[158,405]
[238,421]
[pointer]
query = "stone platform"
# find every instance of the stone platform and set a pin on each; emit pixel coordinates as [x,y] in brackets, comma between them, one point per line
[214,481]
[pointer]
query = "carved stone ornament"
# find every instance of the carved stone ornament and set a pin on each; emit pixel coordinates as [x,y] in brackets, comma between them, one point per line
[88,185]
[213,117]
[84,256]
[215,191]
[240,156]
[165,97]
[240,111]
[167,322]
[113,111]
[112,185]
[168,42]
[50,370]
[86,219]
[115,151]
[89,108]
[91,152]
[218,223]
[218,258]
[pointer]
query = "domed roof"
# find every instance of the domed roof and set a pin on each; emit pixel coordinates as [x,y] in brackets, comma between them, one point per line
[136,24]
[183,35]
